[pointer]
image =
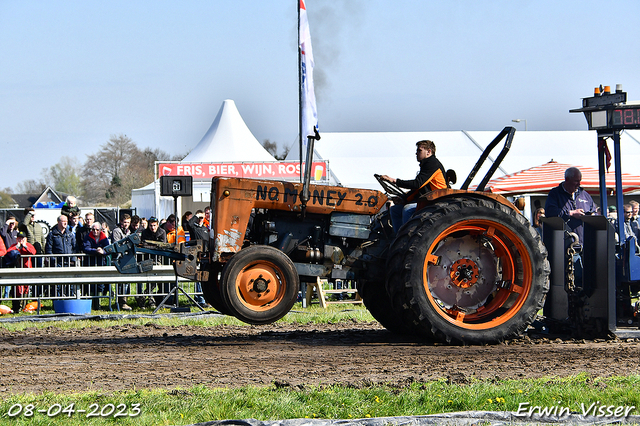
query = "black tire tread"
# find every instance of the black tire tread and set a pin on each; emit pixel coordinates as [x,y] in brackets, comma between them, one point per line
[211,291]
[372,289]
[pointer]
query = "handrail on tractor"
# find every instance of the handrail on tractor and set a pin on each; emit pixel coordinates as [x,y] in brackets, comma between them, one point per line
[508,132]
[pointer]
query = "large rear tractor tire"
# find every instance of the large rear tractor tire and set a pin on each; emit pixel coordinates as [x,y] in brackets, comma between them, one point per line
[259,285]
[372,290]
[371,281]
[468,270]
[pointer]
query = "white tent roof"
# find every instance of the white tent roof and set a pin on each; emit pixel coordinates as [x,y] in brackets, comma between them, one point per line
[228,139]
[355,157]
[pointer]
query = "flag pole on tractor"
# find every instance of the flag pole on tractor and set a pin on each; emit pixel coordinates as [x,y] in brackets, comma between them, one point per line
[308,112]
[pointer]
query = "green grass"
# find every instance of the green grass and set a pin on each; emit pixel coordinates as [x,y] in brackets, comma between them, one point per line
[200,404]
[313,314]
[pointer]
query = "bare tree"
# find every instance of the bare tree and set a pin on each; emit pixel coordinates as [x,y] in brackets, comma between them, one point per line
[120,166]
[103,172]
[30,186]
[272,148]
[140,170]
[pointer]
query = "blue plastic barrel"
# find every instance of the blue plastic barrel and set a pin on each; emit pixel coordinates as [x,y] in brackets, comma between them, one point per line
[72,306]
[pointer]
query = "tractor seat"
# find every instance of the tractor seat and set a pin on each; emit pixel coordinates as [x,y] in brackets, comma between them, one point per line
[451,177]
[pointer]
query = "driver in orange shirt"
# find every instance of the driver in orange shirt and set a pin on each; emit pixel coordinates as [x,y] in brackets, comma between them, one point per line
[430,177]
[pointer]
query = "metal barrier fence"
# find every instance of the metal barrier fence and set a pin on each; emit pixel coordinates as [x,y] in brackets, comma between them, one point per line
[58,277]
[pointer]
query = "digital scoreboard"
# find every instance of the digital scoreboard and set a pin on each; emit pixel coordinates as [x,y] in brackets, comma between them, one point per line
[610,111]
[627,117]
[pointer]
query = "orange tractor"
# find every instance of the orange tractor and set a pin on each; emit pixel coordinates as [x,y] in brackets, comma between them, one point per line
[467,267]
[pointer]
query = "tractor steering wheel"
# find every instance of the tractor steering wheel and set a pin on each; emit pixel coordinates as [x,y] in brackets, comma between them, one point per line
[390,188]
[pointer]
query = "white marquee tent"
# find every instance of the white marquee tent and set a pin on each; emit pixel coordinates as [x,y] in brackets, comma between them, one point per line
[227,140]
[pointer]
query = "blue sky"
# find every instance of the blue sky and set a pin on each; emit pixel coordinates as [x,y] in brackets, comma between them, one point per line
[72,73]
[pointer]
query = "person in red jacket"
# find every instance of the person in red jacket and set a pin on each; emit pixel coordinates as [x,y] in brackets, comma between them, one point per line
[3,262]
[15,252]
[22,246]
[3,248]
[93,245]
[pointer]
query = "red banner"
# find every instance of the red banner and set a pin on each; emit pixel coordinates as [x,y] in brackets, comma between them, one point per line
[262,170]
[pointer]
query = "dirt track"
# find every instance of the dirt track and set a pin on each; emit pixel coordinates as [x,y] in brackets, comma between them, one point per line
[348,353]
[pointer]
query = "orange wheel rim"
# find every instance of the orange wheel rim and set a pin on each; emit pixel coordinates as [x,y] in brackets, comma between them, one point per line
[260,286]
[477,274]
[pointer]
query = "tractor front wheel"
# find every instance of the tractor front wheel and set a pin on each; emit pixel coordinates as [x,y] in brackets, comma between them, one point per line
[259,285]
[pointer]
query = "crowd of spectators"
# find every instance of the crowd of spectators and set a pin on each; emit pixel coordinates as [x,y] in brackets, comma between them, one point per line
[631,225]
[74,234]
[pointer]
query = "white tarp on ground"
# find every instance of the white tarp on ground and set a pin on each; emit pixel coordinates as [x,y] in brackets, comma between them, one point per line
[355,157]
[461,418]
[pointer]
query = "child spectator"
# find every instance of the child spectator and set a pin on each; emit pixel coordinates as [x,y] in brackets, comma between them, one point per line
[70,206]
